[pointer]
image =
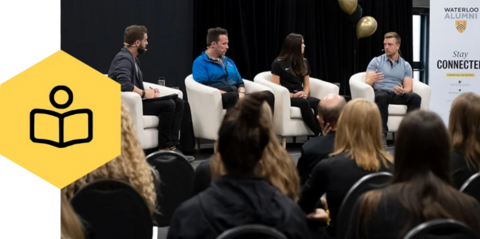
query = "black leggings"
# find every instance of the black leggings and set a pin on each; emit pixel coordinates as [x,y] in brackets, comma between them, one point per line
[309,117]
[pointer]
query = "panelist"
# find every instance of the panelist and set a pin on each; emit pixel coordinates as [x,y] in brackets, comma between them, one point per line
[125,69]
[291,70]
[391,78]
[214,69]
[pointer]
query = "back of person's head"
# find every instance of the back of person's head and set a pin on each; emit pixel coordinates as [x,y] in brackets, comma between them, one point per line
[247,144]
[213,35]
[134,33]
[422,147]
[71,225]
[291,52]
[464,127]
[130,166]
[359,133]
[243,136]
[421,179]
[330,108]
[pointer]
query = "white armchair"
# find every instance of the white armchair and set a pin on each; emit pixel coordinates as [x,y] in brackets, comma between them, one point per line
[206,106]
[360,89]
[287,120]
[146,125]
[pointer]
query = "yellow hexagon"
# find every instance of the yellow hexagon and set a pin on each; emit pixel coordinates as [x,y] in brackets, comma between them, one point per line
[53,135]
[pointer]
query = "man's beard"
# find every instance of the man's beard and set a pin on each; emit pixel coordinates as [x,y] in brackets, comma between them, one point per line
[141,50]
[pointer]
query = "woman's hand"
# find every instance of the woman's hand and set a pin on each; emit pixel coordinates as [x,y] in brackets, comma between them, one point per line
[318,215]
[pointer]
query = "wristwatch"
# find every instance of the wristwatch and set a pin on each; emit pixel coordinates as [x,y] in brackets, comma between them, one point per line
[143,94]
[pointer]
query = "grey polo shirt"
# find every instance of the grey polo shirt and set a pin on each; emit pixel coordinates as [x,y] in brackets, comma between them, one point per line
[393,73]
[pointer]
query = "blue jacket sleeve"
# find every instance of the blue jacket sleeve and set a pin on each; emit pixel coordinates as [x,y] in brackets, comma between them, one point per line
[199,72]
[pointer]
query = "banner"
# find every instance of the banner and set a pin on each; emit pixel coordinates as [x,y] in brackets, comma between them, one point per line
[454,52]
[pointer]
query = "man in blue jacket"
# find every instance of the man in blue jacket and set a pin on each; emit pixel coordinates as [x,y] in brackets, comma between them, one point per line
[214,69]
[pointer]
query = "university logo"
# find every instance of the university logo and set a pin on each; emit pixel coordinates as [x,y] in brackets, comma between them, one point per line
[461,25]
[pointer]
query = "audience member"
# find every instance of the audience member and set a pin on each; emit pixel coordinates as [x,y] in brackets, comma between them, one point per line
[320,147]
[358,152]
[420,189]
[125,69]
[130,166]
[240,196]
[276,165]
[291,70]
[71,226]
[464,129]
[214,69]
[392,79]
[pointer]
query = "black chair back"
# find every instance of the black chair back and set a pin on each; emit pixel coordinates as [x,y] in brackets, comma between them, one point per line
[369,182]
[472,186]
[175,186]
[252,232]
[441,228]
[113,209]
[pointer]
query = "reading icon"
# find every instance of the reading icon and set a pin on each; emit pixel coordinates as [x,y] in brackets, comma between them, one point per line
[72,121]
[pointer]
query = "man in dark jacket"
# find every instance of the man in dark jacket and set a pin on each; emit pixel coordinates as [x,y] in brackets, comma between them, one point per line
[320,147]
[125,69]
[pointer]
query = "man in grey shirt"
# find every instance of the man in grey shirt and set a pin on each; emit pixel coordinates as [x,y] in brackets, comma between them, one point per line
[391,78]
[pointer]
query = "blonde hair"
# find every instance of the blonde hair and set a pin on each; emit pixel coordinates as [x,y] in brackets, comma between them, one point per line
[275,166]
[130,166]
[464,127]
[393,35]
[359,133]
[71,226]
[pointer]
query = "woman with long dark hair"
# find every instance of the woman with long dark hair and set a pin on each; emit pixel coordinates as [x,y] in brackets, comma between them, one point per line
[420,189]
[464,130]
[291,70]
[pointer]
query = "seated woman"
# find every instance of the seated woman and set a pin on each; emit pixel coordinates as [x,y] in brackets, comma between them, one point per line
[420,189]
[276,165]
[292,71]
[130,166]
[240,196]
[464,129]
[358,151]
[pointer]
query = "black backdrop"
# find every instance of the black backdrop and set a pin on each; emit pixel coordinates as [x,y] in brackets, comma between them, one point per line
[257,30]
[92,31]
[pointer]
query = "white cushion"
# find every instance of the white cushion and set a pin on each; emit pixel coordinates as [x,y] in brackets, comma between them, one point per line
[150,121]
[397,110]
[295,113]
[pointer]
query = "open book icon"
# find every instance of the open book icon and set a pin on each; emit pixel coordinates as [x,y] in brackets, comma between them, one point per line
[64,138]
[61,130]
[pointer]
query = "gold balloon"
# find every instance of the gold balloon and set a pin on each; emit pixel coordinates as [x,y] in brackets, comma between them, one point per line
[348,6]
[366,26]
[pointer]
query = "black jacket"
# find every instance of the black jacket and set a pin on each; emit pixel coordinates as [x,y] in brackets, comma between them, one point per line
[333,176]
[460,170]
[313,151]
[233,201]
[122,70]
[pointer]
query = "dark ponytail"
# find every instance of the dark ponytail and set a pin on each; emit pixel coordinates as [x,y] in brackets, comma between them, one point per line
[244,135]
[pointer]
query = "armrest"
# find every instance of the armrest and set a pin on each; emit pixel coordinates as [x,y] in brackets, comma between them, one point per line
[163,89]
[423,91]
[282,102]
[134,103]
[361,89]
[206,107]
[320,88]
[252,87]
